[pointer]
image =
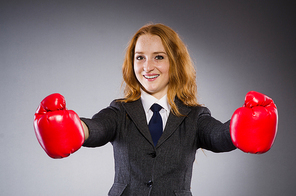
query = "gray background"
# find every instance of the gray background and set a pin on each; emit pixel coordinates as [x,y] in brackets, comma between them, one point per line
[76,48]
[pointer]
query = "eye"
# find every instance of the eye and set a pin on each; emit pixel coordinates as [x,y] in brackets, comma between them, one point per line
[159,57]
[139,57]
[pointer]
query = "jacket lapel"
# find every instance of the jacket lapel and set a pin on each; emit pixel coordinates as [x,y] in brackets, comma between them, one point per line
[137,114]
[174,121]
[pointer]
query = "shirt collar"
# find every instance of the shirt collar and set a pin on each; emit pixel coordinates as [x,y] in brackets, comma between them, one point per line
[148,100]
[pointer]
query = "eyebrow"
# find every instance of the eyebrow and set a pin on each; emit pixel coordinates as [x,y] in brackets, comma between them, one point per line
[153,52]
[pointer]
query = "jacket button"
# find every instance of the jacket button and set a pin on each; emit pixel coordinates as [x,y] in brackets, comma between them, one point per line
[152,154]
[149,184]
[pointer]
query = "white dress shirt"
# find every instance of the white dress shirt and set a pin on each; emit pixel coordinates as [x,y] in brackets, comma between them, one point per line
[149,100]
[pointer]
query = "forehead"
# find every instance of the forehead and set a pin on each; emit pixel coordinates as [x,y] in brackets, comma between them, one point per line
[149,43]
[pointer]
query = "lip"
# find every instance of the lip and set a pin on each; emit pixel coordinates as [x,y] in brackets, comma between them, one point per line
[151,76]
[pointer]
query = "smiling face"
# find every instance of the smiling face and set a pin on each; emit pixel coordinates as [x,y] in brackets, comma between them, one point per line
[151,65]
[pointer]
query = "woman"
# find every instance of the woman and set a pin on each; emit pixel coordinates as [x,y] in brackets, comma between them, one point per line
[157,69]
[150,159]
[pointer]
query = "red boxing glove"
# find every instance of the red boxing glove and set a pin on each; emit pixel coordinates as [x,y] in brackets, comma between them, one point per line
[253,127]
[58,130]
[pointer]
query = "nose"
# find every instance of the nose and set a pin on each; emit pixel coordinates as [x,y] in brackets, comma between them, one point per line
[148,65]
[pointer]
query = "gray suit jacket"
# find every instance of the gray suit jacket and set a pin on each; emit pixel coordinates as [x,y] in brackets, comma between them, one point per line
[162,170]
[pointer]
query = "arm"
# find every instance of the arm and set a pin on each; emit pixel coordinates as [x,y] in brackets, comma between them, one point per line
[85,129]
[101,128]
[213,134]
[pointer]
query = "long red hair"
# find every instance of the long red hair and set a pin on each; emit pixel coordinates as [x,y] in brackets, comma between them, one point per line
[182,76]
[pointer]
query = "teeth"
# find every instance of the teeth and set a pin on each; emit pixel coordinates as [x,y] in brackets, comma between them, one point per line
[151,77]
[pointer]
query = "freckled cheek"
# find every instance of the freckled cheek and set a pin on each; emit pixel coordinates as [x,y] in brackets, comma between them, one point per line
[137,69]
[163,68]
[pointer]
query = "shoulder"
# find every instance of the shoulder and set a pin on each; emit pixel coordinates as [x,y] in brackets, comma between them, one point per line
[116,103]
[122,102]
[201,109]
[199,112]
[192,110]
[114,109]
[123,105]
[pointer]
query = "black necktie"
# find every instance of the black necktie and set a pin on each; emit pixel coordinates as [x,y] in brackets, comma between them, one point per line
[155,124]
